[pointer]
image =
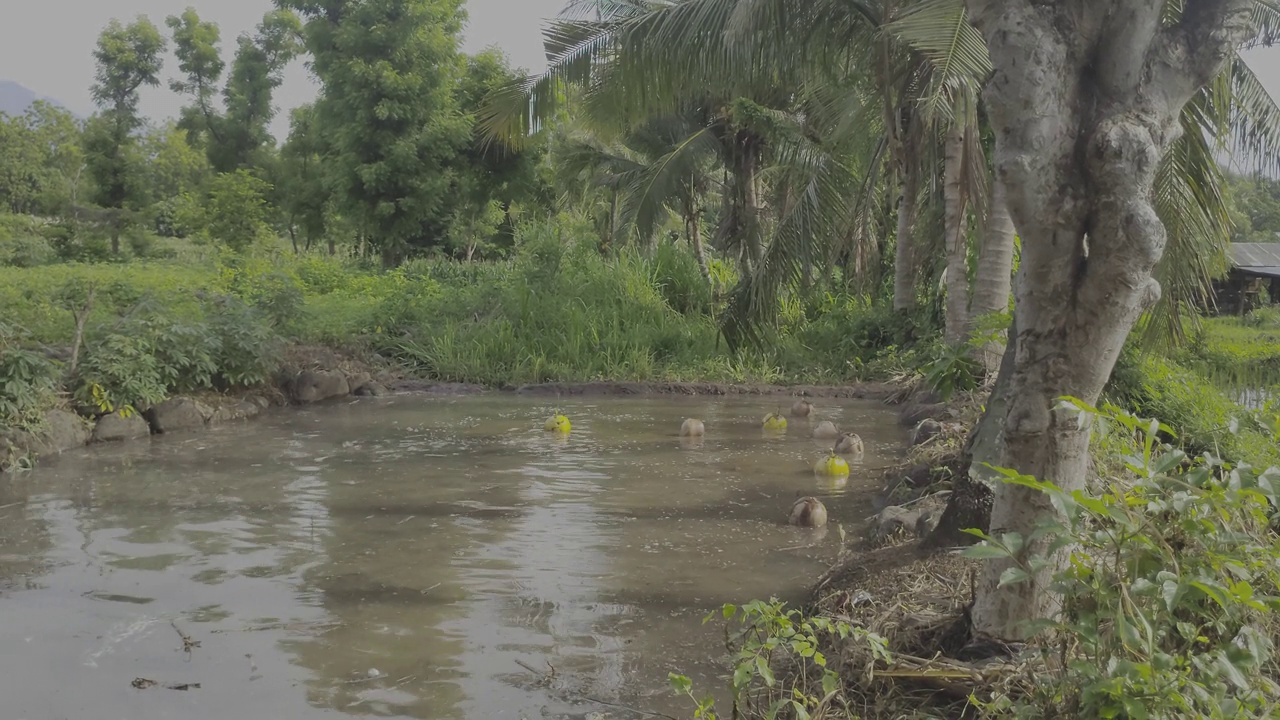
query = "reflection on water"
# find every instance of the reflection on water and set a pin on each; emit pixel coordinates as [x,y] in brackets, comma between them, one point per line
[411,557]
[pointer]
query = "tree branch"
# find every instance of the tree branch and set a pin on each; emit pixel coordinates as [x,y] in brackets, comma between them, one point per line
[1127,37]
[1192,52]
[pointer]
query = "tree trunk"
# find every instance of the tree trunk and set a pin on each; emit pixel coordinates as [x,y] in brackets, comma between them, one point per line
[333,248]
[751,205]
[956,230]
[904,270]
[969,506]
[1085,99]
[992,278]
[993,275]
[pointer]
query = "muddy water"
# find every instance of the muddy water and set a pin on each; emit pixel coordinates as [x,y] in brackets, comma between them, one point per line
[413,557]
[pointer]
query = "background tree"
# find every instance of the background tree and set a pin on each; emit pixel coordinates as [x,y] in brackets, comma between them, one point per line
[236,136]
[488,173]
[128,57]
[195,43]
[389,70]
[256,72]
[303,186]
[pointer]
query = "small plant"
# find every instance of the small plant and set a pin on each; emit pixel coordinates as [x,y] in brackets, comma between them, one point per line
[27,383]
[951,369]
[771,636]
[120,371]
[1169,592]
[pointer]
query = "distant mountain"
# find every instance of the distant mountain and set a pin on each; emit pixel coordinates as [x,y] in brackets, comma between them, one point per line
[15,99]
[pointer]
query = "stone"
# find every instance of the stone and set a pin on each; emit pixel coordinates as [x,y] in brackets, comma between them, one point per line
[913,413]
[355,381]
[894,519]
[232,411]
[312,386]
[918,520]
[63,430]
[925,431]
[261,401]
[179,413]
[371,389]
[113,427]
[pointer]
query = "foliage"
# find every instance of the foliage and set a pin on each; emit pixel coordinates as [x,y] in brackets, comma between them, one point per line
[27,382]
[40,159]
[1170,594]
[128,57]
[235,213]
[1255,208]
[771,636]
[1151,385]
[236,138]
[389,69]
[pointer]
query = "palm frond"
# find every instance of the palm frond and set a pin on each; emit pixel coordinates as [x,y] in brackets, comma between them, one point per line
[1253,123]
[1188,198]
[940,31]
[667,181]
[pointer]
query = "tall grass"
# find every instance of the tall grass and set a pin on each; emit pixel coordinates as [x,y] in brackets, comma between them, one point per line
[557,310]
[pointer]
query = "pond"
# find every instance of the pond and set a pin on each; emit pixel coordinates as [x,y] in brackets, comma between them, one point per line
[414,557]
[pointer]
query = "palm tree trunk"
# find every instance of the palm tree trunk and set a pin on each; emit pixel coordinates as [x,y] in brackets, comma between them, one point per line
[751,205]
[695,240]
[904,280]
[954,226]
[992,283]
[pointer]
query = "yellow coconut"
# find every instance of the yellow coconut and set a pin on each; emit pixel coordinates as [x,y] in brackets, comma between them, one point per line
[775,422]
[826,430]
[831,466]
[849,444]
[808,512]
[826,483]
[692,428]
[802,408]
[557,423]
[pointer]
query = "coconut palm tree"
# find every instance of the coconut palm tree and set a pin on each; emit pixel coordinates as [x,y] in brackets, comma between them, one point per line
[902,71]
[660,168]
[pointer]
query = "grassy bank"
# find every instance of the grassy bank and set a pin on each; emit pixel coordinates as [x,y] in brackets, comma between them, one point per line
[557,310]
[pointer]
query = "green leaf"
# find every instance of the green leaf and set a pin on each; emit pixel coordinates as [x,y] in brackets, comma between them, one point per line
[679,683]
[762,667]
[1232,673]
[985,551]
[1171,591]
[830,682]
[1013,542]
[729,611]
[1013,576]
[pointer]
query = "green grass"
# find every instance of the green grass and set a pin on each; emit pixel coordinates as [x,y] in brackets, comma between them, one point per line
[1239,353]
[1203,413]
[557,310]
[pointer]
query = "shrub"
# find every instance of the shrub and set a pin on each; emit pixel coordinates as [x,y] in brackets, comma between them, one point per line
[118,372]
[27,382]
[247,349]
[772,635]
[1169,600]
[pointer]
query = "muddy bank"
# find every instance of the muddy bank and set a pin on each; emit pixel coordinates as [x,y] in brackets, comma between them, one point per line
[867,391]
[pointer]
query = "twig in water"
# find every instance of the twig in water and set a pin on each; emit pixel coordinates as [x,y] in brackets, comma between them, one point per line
[547,677]
[187,642]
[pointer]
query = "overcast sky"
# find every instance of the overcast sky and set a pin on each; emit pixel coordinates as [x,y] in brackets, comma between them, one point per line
[47,45]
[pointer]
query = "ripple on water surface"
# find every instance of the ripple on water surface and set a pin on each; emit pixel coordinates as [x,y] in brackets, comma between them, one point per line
[410,557]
